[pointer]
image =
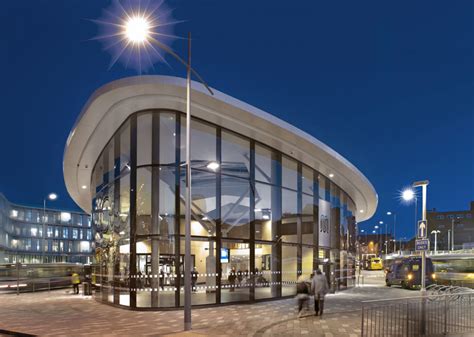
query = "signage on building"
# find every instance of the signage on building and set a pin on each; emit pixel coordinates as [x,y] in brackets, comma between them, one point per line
[422,244]
[324,223]
[422,229]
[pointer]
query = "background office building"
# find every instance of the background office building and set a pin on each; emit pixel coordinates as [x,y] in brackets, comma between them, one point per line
[35,235]
[459,222]
[269,202]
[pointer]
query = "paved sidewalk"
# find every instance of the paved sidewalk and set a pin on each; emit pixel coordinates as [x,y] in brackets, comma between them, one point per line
[59,313]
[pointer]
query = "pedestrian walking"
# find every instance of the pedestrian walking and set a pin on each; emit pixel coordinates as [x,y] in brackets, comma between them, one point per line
[319,288]
[302,294]
[75,280]
[231,278]
[162,279]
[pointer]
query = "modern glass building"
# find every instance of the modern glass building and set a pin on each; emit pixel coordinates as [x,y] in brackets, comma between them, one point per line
[37,235]
[269,202]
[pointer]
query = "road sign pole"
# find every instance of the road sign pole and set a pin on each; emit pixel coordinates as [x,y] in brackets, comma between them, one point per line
[422,232]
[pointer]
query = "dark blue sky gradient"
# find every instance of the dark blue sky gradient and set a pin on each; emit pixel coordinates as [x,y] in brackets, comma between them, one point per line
[389,85]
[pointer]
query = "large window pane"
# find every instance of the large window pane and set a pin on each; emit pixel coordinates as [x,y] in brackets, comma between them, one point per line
[263,164]
[167,207]
[203,206]
[144,138]
[307,262]
[203,144]
[124,135]
[289,270]
[309,225]
[263,212]
[235,280]
[235,210]
[157,272]
[289,173]
[144,195]
[307,180]
[235,155]
[167,138]
[266,271]
[203,272]
[289,223]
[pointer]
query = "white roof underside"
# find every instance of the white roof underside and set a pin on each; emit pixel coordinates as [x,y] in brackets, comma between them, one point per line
[113,103]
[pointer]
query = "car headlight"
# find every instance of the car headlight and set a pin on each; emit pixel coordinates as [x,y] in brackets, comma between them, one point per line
[410,276]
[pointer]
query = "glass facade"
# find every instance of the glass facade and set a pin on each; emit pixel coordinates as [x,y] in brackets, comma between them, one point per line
[259,217]
[35,235]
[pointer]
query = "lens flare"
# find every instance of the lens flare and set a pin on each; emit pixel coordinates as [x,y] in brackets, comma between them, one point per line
[128,27]
[137,29]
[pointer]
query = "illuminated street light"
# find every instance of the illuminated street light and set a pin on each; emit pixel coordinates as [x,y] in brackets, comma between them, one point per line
[137,29]
[408,194]
[52,196]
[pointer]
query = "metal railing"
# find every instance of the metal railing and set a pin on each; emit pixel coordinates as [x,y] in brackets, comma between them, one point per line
[432,315]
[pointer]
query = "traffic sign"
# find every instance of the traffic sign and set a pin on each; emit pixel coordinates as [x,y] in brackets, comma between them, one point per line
[422,229]
[423,244]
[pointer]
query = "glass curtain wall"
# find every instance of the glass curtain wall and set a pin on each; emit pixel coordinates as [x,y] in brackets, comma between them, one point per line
[255,216]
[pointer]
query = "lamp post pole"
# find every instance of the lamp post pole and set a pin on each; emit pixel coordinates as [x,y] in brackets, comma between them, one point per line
[51,196]
[423,184]
[187,246]
[435,232]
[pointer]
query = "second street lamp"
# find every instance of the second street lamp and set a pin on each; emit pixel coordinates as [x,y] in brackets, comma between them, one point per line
[435,232]
[394,224]
[52,197]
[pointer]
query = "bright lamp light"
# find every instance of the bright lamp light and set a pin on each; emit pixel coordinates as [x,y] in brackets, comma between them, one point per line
[213,165]
[137,29]
[52,196]
[408,194]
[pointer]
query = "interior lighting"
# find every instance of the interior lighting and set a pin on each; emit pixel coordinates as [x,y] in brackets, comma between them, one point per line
[84,187]
[213,165]
[331,175]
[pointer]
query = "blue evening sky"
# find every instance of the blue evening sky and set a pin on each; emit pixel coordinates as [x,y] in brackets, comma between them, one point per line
[387,84]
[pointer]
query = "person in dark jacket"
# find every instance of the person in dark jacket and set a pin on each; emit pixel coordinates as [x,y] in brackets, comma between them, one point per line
[231,278]
[319,288]
[302,294]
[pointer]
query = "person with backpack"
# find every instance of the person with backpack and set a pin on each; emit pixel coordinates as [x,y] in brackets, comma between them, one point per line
[302,294]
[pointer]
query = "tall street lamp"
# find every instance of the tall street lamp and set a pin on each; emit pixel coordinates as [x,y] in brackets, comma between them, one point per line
[394,224]
[377,237]
[136,28]
[435,232]
[52,197]
[424,185]
[385,242]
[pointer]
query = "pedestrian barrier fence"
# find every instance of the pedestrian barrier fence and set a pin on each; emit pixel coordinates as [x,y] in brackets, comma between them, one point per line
[430,315]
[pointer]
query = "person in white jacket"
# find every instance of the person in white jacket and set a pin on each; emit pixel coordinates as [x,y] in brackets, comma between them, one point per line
[319,288]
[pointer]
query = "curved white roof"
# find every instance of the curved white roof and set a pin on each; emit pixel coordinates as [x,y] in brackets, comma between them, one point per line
[111,104]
